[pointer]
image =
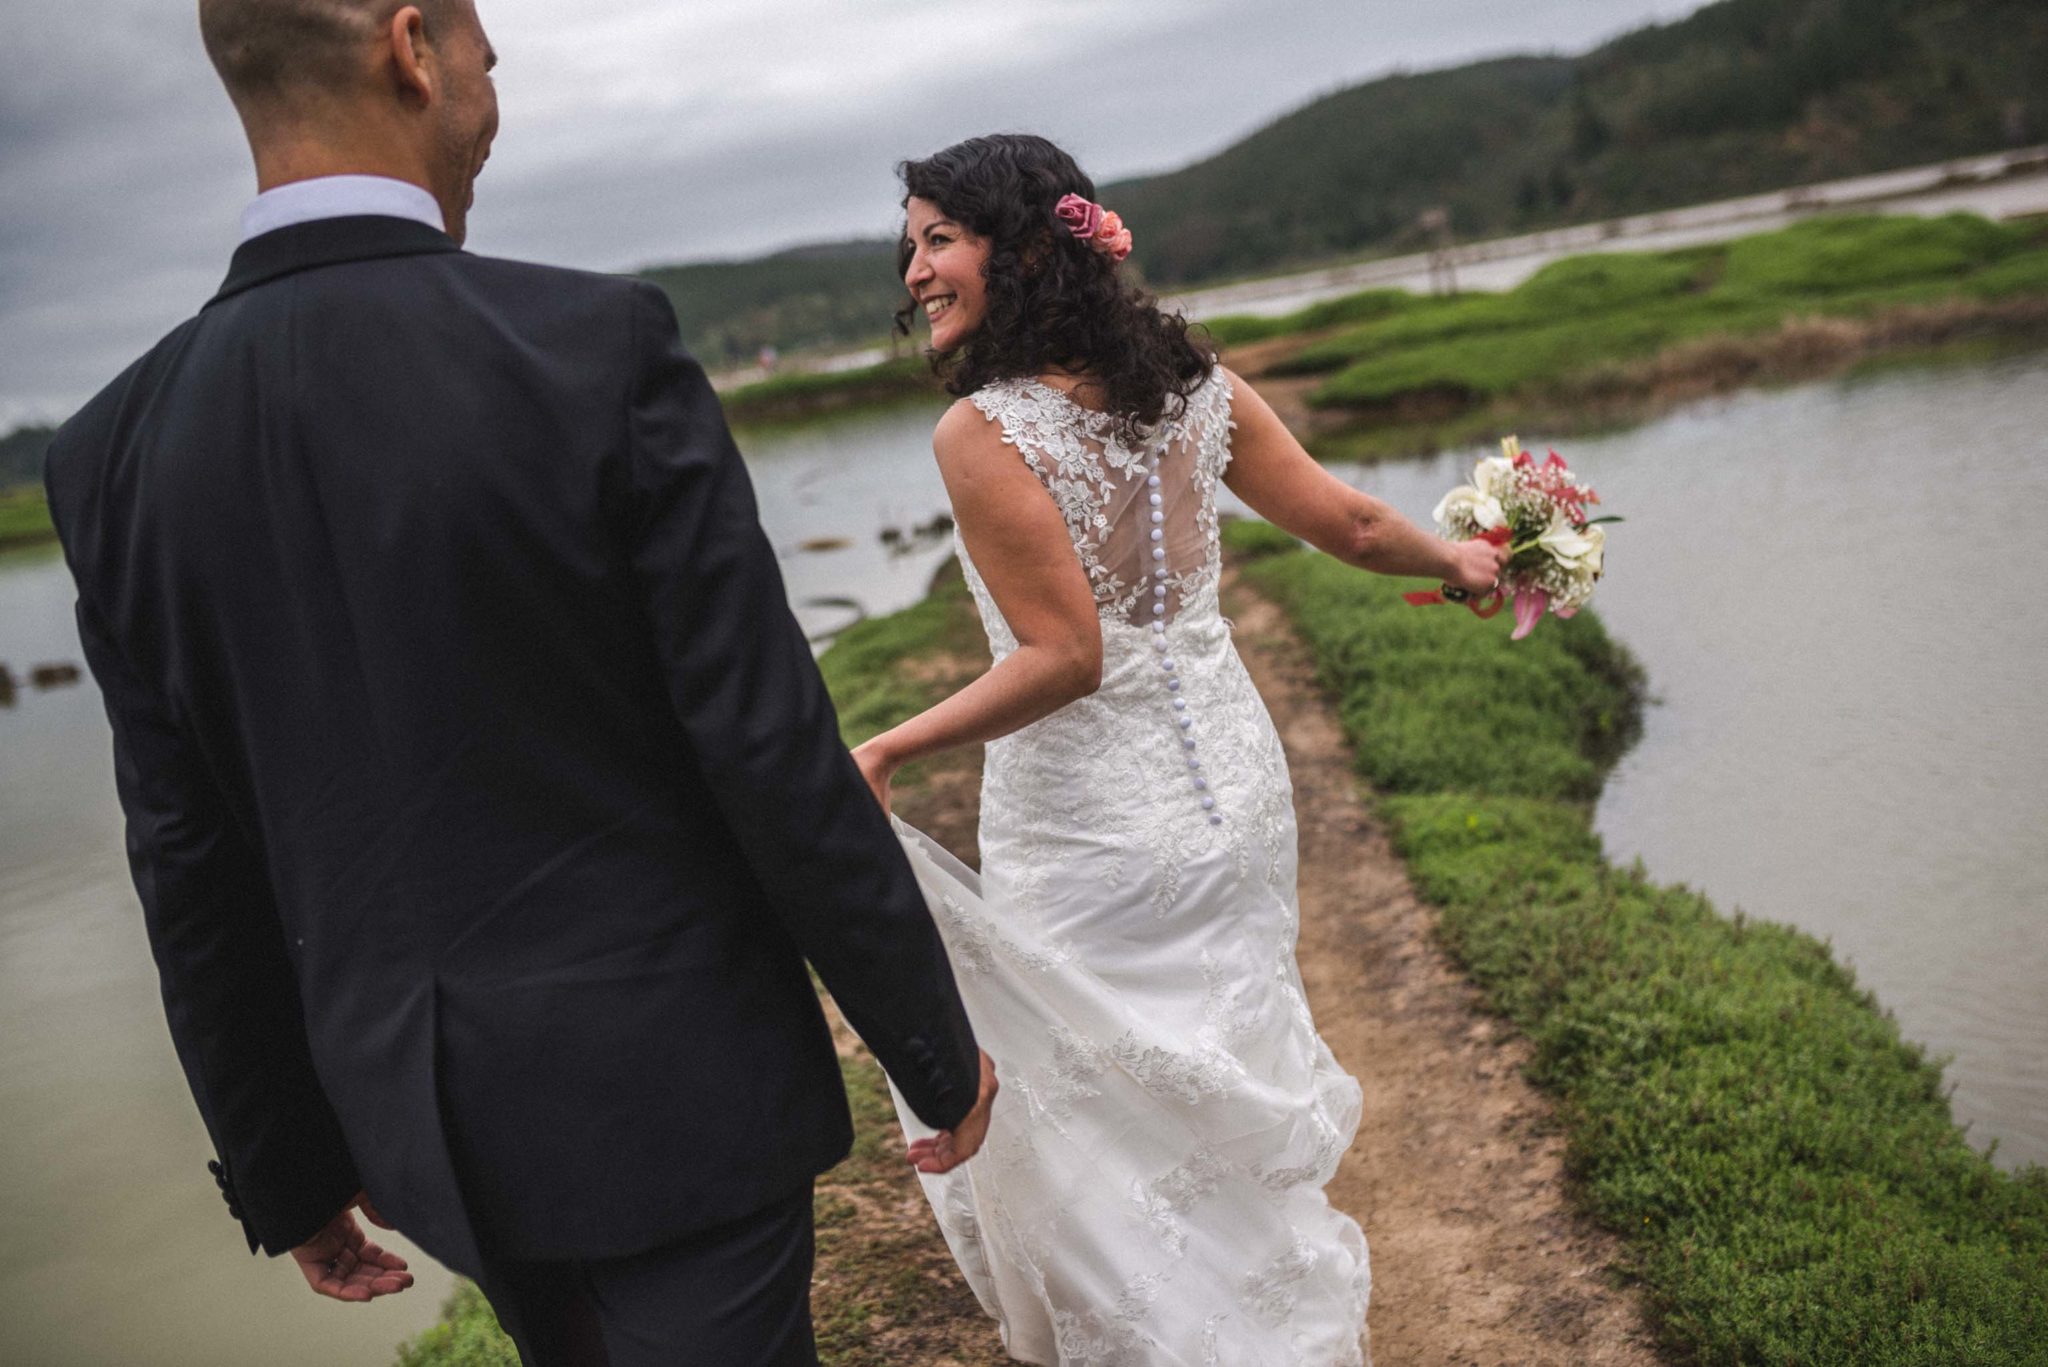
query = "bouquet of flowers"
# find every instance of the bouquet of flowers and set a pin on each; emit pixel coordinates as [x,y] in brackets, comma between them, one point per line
[1539,513]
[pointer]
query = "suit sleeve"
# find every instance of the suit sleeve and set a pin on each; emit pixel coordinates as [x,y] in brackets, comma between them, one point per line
[230,993]
[755,711]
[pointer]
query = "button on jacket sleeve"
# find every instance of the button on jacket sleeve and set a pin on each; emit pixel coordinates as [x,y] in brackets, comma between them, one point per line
[762,728]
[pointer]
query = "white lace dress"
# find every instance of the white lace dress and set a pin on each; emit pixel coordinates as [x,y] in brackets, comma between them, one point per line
[1151,1188]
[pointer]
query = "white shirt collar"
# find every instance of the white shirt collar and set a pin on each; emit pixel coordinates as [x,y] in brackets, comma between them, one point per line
[303,201]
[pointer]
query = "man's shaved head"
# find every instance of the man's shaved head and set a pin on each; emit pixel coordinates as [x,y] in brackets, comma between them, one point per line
[397,88]
[272,51]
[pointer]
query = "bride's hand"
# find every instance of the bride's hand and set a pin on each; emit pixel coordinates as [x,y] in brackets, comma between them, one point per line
[1478,565]
[876,768]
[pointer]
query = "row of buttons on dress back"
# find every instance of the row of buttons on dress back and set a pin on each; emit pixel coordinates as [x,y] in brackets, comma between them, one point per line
[1180,704]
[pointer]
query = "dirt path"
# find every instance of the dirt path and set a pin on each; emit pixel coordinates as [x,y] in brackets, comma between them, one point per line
[1457,1174]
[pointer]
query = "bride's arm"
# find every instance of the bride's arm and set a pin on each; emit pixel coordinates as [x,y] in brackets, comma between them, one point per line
[1284,484]
[1020,544]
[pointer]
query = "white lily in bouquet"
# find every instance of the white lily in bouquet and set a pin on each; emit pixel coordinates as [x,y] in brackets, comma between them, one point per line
[1555,551]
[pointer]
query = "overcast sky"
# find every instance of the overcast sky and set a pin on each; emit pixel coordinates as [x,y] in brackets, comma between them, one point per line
[637,132]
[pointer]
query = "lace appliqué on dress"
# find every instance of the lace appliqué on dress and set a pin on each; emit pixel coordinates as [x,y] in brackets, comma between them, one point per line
[1168,1113]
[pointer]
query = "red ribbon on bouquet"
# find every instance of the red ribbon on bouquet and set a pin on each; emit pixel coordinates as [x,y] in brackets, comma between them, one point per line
[1483,605]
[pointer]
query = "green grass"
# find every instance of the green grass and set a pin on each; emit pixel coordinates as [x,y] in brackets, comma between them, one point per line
[1576,320]
[467,1336]
[1237,329]
[801,395]
[24,517]
[1580,314]
[865,667]
[1785,1168]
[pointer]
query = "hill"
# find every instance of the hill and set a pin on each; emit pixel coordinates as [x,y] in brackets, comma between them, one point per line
[1739,97]
[806,296]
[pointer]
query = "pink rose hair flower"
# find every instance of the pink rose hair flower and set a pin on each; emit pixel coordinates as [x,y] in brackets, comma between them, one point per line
[1100,229]
[1081,217]
[1112,238]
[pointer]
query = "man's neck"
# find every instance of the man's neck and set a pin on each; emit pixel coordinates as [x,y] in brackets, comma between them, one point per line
[289,164]
[348,196]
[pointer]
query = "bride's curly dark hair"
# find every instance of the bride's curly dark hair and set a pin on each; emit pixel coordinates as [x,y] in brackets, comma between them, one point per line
[1054,303]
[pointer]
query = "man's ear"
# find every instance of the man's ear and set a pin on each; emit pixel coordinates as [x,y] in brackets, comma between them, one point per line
[412,55]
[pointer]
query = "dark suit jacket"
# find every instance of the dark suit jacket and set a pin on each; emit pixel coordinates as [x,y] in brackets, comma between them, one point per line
[483,797]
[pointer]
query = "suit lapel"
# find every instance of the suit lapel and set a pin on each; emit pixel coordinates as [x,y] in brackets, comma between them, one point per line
[327,242]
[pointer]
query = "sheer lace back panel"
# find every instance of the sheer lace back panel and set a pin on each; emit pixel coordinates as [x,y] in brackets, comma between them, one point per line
[1142,515]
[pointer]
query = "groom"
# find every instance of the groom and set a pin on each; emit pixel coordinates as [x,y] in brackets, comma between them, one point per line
[483,798]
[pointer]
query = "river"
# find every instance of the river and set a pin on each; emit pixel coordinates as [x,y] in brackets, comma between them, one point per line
[1833,590]
[1831,587]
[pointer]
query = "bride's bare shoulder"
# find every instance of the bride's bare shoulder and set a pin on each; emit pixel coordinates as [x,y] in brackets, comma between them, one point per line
[965,430]
[1249,411]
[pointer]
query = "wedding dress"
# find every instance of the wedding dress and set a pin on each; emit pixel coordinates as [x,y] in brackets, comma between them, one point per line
[1150,1193]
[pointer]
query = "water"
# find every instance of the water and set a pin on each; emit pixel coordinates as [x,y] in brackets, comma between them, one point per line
[846,481]
[1831,587]
[114,1247]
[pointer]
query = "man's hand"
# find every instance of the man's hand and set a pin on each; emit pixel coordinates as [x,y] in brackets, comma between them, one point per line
[340,1261]
[948,1149]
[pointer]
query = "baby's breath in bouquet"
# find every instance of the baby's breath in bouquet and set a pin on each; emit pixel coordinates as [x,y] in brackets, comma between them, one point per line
[1539,513]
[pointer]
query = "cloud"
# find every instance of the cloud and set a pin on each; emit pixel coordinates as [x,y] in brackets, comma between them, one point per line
[637,132]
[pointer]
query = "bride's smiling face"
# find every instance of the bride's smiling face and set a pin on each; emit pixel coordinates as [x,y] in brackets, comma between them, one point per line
[945,273]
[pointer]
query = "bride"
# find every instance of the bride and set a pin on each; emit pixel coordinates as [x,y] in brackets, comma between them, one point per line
[1150,1190]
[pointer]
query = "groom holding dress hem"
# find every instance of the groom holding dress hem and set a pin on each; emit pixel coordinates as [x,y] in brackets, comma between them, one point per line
[483,798]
